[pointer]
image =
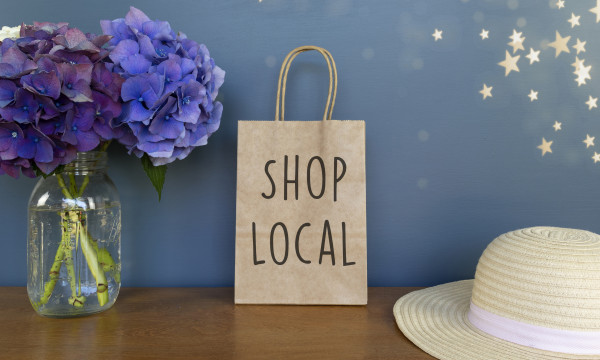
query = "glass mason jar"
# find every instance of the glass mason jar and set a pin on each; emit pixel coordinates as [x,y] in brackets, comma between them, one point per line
[74,240]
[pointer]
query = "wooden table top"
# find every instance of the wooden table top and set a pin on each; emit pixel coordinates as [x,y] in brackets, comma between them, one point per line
[203,323]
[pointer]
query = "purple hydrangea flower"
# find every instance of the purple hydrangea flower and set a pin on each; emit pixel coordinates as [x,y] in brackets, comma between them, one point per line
[170,89]
[57,96]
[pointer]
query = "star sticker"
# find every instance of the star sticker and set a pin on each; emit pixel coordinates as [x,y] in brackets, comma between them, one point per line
[591,103]
[486,91]
[533,56]
[560,4]
[484,34]
[574,20]
[545,146]
[580,46]
[596,157]
[557,126]
[577,64]
[560,44]
[583,74]
[533,95]
[596,10]
[589,140]
[510,63]
[437,34]
[517,41]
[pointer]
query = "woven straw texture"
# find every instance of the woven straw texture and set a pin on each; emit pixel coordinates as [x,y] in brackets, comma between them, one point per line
[544,276]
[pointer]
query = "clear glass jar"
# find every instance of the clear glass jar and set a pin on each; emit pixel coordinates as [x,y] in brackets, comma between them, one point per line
[74,240]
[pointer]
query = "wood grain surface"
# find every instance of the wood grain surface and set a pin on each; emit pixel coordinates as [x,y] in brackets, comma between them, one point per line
[203,323]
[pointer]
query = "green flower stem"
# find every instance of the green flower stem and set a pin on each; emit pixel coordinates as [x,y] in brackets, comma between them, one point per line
[72,185]
[63,253]
[104,146]
[106,261]
[92,259]
[63,186]
[86,181]
[75,299]
[54,272]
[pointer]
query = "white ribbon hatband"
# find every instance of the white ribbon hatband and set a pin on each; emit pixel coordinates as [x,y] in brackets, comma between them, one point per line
[533,336]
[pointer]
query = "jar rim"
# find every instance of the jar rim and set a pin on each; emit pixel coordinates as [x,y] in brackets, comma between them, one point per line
[88,161]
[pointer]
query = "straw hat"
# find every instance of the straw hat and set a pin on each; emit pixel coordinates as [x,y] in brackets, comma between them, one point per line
[536,295]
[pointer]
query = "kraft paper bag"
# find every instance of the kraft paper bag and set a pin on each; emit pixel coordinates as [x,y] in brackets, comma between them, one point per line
[301,207]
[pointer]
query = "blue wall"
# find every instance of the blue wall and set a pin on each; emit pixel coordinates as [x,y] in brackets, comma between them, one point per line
[446,170]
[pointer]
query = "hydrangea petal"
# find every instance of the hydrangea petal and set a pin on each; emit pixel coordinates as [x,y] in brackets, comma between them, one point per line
[160,30]
[10,168]
[10,135]
[7,92]
[14,63]
[157,149]
[45,84]
[137,111]
[136,18]
[87,140]
[44,151]
[78,92]
[136,64]
[134,87]
[123,50]
[167,126]
[48,167]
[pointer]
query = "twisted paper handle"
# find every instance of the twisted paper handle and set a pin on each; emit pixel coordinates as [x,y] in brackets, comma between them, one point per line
[283,73]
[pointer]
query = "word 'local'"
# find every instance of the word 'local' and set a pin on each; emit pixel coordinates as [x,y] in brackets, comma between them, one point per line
[327,241]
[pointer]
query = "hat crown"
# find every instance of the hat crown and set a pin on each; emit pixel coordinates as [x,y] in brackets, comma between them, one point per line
[543,276]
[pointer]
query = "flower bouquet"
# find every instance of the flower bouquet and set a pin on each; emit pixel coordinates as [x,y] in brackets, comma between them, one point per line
[64,97]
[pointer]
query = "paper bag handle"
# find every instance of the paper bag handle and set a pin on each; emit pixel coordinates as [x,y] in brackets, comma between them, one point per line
[283,73]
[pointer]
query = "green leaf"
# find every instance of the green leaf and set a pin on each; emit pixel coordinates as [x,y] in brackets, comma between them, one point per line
[156,174]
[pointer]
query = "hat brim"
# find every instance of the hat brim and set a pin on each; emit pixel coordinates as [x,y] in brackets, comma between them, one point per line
[435,319]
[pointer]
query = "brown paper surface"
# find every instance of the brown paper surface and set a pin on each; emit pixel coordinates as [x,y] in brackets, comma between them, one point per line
[295,282]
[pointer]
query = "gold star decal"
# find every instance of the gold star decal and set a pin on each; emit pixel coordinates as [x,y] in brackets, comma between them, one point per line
[517,41]
[574,20]
[589,140]
[596,157]
[437,34]
[591,103]
[534,56]
[533,95]
[484,34]
[510,63]
[583,74]
[486,91]
[557,126]
[560,44]
[560,4]
[580,46]
[545,146]
[596,10]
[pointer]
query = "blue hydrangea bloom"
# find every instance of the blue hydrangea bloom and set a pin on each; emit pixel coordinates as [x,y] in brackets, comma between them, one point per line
[170,87]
